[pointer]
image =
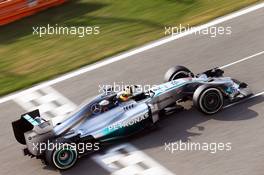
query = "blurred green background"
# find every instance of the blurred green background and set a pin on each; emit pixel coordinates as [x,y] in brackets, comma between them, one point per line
[26,59]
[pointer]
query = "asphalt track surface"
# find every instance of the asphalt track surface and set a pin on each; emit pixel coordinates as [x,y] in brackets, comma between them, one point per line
[242,124]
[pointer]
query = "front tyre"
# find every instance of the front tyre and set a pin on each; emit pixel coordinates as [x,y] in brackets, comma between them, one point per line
[62,157]
[208,100]
[177,72]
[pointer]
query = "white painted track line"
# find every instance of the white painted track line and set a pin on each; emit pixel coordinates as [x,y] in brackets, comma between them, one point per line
[134,52]
[258,94]
[246,99]
[241,60]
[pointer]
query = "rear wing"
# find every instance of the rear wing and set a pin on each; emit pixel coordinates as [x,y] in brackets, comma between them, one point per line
[29,121]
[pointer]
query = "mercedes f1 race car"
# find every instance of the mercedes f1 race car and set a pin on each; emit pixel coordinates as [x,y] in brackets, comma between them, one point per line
[114,115]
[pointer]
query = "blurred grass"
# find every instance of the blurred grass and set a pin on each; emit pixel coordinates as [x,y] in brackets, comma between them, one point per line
[26,59]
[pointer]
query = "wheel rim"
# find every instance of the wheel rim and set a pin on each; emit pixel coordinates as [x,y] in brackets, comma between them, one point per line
[65,157]
[211,101]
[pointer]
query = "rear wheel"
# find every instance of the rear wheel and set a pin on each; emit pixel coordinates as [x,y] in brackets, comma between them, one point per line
[208,100]
[63,156]
[177,72]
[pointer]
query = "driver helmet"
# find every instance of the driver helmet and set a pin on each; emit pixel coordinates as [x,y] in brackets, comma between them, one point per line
[124,96]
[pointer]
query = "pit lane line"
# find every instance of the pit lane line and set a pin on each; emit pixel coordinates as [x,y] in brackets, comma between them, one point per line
[127,54]
[243,59]
[244,100]
[35,88]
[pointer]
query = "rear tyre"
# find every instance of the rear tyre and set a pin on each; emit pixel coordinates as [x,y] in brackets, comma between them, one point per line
[62,157]
[177,72]
[208,99]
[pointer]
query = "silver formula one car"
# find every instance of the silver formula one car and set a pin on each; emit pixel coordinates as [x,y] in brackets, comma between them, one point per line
[113,115]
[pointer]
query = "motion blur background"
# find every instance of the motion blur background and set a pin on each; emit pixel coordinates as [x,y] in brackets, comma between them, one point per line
[26,59]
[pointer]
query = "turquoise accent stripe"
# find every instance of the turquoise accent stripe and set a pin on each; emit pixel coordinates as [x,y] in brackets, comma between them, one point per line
[174,87]
[30,120]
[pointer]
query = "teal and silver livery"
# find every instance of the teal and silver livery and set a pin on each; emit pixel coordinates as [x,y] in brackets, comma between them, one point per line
[115,115]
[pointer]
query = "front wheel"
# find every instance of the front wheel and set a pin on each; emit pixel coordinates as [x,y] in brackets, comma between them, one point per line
[208,100]
[177,72]
[63,156]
